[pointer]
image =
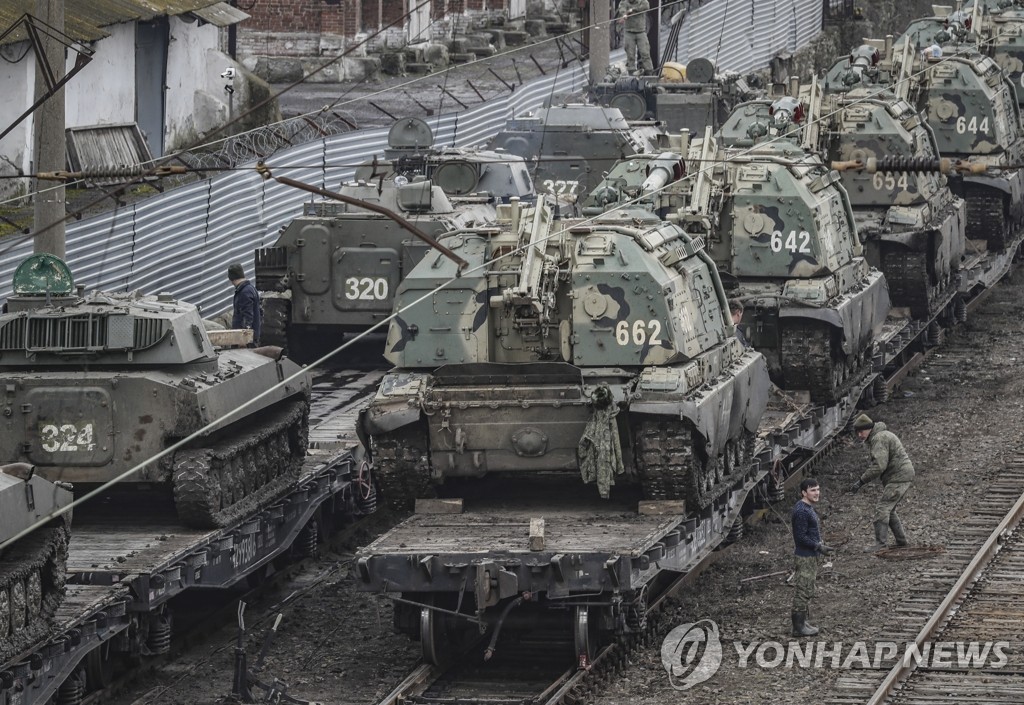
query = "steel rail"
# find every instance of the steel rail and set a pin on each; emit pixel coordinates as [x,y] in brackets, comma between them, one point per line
[900,672]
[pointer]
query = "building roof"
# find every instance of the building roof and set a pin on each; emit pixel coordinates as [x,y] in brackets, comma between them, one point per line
[84,20]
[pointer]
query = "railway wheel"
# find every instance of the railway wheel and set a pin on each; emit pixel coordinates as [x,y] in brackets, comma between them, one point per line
[585,636]
[434,632]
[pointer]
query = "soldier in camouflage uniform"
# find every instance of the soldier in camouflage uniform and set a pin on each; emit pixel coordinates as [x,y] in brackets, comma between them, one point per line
[807,537]
[892,465]
[633,14]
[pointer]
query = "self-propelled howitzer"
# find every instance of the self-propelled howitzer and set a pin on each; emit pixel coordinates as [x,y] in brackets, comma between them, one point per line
[597,347]
[780,229]
[912,225]
[98,384]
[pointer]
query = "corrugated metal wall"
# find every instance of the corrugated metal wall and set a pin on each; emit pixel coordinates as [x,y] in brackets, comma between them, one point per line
[182,241]
[744,35]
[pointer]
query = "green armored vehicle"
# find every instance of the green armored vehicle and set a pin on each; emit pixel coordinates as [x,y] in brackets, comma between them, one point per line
[98,384]
[972,110]
[336,268]
[32,567]
[598,347]
[999,26]
[690,97]
[569,147]
[912,225]
[781,231]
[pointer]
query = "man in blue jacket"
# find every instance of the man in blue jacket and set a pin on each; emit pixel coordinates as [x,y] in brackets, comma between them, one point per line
[246,313]
[807,537]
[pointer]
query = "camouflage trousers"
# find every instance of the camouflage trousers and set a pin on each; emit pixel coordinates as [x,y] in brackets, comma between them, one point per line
[637,44]
[885,509]
[805,572]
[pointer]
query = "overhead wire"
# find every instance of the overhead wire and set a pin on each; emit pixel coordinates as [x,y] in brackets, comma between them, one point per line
[234,413]
[199,144]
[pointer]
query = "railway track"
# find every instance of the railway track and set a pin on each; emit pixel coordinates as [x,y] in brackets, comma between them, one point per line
[130,561]
[973,591]
[985,604]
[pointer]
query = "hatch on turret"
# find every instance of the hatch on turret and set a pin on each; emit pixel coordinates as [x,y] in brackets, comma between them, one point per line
[410,134]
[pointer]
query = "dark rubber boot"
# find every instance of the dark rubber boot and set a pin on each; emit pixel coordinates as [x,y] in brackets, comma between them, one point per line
[897,531]
[881,536]
[807,622]
[801,627]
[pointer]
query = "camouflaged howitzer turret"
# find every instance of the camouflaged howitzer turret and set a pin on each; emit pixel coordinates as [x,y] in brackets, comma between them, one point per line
[780,228]
[603,348]
[32,567]
[999,27]
[971,108]
[569,147]
[689,97]
[336,268]
[96,385]
[912,225]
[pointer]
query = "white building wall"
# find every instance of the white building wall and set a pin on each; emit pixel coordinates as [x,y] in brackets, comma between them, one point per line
[195,99]
[103,93]
[16,86]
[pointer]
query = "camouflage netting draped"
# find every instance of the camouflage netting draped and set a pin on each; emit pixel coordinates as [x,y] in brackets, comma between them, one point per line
[600,452]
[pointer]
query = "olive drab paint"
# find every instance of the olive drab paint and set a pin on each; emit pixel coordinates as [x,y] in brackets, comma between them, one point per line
[103,382]
[569,147]
[496,371]
[969,104]
[780,228]
[912,225]
[336,268]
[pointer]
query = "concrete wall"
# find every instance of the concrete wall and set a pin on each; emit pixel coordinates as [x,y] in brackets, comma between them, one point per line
[196,99]
[16,81]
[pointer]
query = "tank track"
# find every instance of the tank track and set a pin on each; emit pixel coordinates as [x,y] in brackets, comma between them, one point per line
[402,467]
[672,463]
[986,218]
[32,575]
[277,314]
[906,272]
[813,360]
[218,484]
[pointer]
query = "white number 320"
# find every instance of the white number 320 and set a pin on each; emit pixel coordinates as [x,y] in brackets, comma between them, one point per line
[366,288]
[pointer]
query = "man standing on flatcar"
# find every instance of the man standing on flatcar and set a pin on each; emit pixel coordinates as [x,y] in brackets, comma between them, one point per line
[807,537]
[892,465]
[246,311]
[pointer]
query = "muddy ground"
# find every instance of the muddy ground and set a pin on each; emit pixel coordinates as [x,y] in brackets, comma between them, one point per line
[960,418]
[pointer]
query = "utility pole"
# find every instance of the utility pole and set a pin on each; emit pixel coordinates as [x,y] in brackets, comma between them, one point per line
[48,134]
[599,39]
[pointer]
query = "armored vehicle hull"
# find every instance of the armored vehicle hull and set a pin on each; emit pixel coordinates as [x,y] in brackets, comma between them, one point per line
[973,111]
[912,226]
[335,269]
[32,568]
[970,106]
[550,361]
[569,147]
[682,98]
[105,383]
[781,230]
